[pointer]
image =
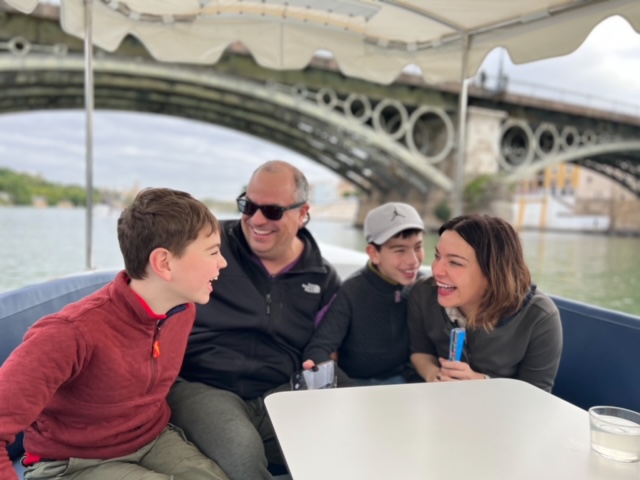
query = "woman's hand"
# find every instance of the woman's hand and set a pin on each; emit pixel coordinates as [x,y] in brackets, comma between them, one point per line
[427,366]
[450,370]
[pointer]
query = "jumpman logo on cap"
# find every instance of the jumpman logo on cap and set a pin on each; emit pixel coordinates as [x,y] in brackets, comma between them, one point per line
[396,214]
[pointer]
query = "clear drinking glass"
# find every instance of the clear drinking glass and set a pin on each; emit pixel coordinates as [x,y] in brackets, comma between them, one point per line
[615,433]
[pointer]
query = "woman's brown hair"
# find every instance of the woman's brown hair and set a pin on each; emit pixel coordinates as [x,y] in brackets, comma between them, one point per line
[499,253]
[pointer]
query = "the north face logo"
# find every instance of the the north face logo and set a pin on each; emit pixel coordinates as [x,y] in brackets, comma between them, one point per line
[311,288]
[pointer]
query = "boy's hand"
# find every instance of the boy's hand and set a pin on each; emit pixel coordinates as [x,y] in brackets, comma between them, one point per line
[309,365]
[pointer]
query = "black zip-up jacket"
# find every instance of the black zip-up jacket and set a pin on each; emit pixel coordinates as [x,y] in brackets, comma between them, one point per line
[367,325]
[249,338]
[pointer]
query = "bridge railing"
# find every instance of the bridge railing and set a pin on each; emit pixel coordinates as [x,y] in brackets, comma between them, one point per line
[502,84]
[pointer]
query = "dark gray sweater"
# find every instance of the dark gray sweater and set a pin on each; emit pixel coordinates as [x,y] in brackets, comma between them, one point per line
[525,346]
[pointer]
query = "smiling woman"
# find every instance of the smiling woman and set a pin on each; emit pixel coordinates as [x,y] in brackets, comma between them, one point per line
[481,283]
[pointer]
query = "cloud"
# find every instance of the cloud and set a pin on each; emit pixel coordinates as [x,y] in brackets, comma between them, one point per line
[141,149]
[602,72]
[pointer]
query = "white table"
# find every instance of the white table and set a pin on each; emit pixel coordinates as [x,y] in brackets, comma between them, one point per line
[475,430]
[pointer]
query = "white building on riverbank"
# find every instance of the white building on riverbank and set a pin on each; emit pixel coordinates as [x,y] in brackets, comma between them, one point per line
[568,197]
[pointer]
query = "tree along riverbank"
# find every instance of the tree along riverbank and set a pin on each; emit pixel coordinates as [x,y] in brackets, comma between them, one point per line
[27,189]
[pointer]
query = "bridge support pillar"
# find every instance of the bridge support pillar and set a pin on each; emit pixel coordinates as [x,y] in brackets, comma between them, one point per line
[482,157]
[484,132]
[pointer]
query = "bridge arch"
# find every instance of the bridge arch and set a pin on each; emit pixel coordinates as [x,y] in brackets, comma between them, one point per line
[609,159]
[372,161]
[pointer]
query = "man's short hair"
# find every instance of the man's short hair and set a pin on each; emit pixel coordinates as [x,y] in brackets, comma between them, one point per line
[160,218]
[276,166]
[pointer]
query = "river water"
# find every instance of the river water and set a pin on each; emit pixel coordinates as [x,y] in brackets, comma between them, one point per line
[40,244]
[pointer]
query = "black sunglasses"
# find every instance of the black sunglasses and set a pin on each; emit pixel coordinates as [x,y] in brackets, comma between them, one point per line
[270,212]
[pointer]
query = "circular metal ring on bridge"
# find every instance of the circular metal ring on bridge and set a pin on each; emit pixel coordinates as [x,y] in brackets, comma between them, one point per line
[414,121]
[396,125]
[589,138]
[607,137]
[547,139]
[517,147]
[357,107]
[327,97]
[299,91]
[19,46]
[569,138]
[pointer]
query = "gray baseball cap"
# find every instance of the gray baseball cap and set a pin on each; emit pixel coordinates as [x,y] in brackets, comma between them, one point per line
[387,220]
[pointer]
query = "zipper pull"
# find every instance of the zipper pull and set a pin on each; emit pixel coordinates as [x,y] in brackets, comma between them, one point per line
[155,349]
[398,296]
[268,304]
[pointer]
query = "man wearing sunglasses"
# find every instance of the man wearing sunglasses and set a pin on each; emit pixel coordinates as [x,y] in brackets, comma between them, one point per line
[248,340]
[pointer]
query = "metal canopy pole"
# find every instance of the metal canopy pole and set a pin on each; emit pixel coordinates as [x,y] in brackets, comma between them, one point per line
[462,130]
[88,106]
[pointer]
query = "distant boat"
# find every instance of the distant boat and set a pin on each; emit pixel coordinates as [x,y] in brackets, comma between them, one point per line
[106,210]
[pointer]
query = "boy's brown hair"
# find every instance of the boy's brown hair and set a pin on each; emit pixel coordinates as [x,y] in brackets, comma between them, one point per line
[160,218]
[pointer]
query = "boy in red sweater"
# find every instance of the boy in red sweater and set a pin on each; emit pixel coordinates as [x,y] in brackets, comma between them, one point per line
[89,383]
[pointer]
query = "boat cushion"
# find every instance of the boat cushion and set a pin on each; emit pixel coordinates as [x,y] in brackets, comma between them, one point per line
[600,363]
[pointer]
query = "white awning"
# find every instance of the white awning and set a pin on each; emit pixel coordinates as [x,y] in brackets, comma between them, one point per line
[373,40]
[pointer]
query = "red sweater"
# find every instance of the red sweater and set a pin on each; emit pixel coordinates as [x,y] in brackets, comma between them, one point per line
[87,382]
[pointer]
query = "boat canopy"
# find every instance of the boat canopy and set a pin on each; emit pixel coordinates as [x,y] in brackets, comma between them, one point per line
[369,39]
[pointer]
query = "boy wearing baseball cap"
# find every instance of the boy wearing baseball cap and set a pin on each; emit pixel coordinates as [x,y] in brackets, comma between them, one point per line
[367,323]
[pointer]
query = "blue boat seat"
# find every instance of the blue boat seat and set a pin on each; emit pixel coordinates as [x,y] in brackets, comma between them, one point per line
[18,468]
[600,363]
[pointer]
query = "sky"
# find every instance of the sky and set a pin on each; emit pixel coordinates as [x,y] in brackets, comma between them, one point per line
[141,149]
[215,162]
[606,65]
